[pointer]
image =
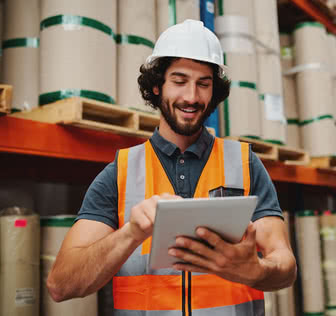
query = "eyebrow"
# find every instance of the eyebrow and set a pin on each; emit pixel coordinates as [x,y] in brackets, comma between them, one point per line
[181,74]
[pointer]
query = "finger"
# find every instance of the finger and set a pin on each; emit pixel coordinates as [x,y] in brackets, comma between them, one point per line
[195,246]
[212,238]
[187,256]
[250,234]
[168,196]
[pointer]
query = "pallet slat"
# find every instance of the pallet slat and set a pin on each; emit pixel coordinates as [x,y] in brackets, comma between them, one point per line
[87,113]
[269,151]
[324,162]
[6,92]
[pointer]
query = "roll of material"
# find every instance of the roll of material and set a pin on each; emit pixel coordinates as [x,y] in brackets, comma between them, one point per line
[290,96]
[239,52]
[273,121]
[286,297]
[138,22]
[310,261]
[270,304]
[1,36]
[170,12]
[241,8]
[21,51]
[328,237]
[19,262]
[53,232]
[78,50]
[332,63]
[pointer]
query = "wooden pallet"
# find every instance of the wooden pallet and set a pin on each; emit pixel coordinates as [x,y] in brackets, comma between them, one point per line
[6,92]
[269,151]
[87,113]
[324,162]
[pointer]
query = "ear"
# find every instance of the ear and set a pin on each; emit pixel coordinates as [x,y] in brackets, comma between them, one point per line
[156,90]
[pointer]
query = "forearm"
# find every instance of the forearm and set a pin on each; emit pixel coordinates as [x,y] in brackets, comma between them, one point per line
[278,270]
[81,271]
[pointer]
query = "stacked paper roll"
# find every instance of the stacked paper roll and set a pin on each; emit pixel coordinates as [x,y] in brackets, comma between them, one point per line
[270,304]
[273,121]
[286,297]
[289,93]
[332,62]
[21,51]
[328,236]
[136,27]
[310,261]
[53,232]
[1,36]
[235,30]
[314,87]
[78,50]
[169,13]
[19,262]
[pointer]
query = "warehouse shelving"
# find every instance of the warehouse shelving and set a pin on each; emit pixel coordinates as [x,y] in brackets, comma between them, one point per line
[81,153]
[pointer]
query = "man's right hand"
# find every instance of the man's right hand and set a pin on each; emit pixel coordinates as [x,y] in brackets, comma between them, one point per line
[143,214]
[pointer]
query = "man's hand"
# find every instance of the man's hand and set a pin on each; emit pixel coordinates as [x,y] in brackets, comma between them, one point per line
[143,214]
[234,262]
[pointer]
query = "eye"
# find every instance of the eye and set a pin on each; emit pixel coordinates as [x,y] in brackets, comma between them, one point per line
[204,84]
[180,83]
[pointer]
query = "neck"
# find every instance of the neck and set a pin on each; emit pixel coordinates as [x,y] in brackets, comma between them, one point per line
[181,141]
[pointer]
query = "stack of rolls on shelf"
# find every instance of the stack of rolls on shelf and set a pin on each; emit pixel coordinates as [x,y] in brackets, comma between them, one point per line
[235,27]
[20,61]
[19,262]
[332,62]
[314,89]
[273,121]
[78,50]
[136,38]
[328,237]
[53,232]
[310,261]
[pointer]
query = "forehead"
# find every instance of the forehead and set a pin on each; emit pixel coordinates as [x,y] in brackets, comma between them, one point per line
[190,68]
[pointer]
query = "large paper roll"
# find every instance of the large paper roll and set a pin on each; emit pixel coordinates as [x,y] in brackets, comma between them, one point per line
[332,62]
[169,13]
[78,50]
[310,261]
[314,88]
[328,236]
[19,262]
[21,51]
[240,57]
[53,232]
[270,304]
[137,21]
[273,122]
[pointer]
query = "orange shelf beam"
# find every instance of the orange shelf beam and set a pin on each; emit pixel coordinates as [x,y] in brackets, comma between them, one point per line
[23,136]
[315,13]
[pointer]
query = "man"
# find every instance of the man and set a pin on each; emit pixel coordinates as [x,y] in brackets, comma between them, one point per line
[111,238]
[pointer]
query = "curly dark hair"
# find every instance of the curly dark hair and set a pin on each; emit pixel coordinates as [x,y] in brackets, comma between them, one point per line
[154,75]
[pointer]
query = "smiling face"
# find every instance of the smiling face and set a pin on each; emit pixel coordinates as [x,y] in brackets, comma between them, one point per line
[185,96]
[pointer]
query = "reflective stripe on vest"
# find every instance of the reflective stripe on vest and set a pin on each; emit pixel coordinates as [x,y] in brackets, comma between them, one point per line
[137,290]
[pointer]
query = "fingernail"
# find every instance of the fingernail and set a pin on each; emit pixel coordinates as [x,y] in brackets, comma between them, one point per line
[179,242]
[200,231]
[172,252]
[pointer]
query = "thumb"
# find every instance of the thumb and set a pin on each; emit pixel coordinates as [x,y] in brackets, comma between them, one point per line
[250,234]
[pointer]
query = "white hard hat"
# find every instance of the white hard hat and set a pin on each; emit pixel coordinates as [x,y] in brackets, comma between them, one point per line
[190,39]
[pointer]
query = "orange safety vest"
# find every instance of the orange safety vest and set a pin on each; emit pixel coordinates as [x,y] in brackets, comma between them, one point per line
[137,290]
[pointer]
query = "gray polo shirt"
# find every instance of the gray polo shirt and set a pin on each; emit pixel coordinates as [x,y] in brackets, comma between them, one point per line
[183,170]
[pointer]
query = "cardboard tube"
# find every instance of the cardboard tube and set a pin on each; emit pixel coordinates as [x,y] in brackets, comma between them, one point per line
[310,265]
[132,56]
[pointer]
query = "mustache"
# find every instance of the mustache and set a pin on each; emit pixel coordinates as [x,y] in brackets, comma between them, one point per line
[185,105]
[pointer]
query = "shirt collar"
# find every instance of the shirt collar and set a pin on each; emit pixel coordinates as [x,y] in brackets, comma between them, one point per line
[198,147]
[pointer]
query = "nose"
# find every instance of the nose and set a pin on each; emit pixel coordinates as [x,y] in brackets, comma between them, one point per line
[191,93]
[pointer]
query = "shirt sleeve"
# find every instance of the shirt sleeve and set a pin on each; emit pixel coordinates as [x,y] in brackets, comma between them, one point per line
[262,186]
[101,199]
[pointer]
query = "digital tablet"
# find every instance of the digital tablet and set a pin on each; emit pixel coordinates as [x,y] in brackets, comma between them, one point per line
[228,216]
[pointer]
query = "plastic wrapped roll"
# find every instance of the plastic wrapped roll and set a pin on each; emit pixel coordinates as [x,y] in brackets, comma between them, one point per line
[273,121]
[310,261]
[169,13]
[240,57]
[137,34]
[78,50]
[53,231]
[1,36]
[270,304]
[314,86]
[21,51]
[19,262]
[332,62]
[286,297]
[289,93]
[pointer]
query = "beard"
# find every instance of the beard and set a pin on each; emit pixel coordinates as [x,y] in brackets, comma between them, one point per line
[188,128]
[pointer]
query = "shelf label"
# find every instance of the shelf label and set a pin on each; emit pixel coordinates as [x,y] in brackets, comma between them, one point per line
[25,296]
[274,109]
[20,223]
